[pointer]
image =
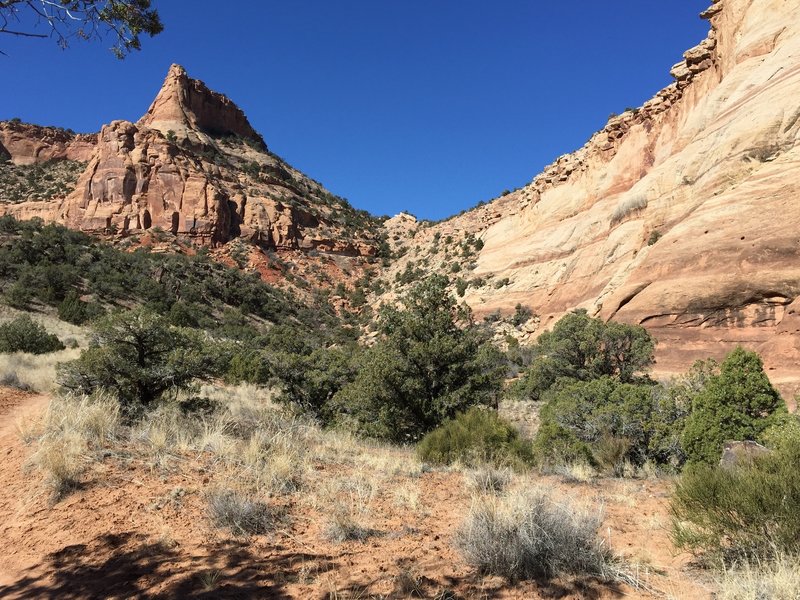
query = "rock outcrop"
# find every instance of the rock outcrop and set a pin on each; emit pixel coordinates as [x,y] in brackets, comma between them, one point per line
[192,166]
[678,215]
[188,109]
[137,179]
[27,144]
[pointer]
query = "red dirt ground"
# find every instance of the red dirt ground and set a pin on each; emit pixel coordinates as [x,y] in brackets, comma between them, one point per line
[135,530]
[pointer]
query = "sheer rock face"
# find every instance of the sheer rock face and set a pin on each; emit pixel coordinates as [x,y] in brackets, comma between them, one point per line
[192,166]
[137,179]
[681,215]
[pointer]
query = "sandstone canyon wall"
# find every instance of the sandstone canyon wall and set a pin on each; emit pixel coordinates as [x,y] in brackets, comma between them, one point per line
[681,215]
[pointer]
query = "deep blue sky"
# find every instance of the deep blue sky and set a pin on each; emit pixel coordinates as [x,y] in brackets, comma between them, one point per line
[420,105]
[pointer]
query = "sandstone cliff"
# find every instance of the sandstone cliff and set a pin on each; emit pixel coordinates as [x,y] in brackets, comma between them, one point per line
[188,109]
[678,215]
[192,166]
[26,144]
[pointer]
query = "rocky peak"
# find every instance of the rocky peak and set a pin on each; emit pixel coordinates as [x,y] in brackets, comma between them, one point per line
[188,109]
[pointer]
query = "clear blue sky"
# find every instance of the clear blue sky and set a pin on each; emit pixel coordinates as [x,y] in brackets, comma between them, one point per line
[422,105]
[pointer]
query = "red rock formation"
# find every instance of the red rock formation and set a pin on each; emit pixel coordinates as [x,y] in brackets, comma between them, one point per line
[187,108]
[137,179]
[193,166]
[28,144]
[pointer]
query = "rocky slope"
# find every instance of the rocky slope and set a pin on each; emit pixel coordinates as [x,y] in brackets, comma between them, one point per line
[678,215]
[192,166]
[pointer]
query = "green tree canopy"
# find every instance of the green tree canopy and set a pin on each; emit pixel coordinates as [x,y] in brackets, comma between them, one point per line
[137,356]
[431,363]
[580,417]
[584,348]
[738,403]
[23,334]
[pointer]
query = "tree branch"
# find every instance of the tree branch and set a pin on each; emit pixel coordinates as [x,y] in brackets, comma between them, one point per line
[24,34]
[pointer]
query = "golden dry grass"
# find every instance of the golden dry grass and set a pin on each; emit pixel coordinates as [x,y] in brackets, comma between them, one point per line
[773,580]
[67,437]
[35,372]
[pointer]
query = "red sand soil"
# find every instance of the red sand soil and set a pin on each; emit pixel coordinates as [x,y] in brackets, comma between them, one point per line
[139,531]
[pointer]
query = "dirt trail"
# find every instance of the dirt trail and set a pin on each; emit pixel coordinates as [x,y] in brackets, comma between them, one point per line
[15,497]
[15,405]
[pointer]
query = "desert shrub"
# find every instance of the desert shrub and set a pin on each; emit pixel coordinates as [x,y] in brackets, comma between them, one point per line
[521,315]
[610,452]
[655,235]
[519,357]
[137,356]
[247,366]
[488,479]
[74,310]
[583,348]
[476,437]
[11,379]
[541,373]
[310,380]
[601,420]
[746,511]
[528,535]
[240,513]
[185,314]
[343,526]
[25,335]
[430,364]
[738,403]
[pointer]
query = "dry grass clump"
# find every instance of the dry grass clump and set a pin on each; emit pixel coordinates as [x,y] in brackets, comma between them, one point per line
[773,580]
[262,445]
[35,372]
[62,459]
[575,472]
[348,502]
[96,419]
[242,514]
[409,584]
[343,526]
[489,479]
[72,429]
[341,447]
[407,496]
[527,534]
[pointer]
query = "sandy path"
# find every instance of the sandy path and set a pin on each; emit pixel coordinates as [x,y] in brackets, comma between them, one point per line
[15,496]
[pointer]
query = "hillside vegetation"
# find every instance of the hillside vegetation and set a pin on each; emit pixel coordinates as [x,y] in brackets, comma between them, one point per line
[168,333]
